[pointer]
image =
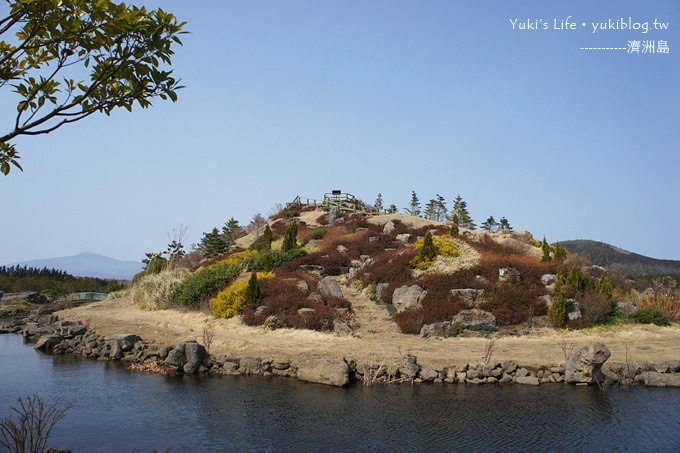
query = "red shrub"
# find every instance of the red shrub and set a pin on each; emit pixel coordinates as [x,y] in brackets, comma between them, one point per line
[512,304]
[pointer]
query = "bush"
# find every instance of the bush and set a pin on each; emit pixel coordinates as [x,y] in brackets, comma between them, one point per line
[595,308]
[651,316]
[204,283]
[511,304]
[156,291]
[268,260]
[557,313]
[231,300]
[318,233]
[427,252]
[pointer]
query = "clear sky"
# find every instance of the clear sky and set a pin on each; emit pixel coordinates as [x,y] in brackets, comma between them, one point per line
[441,97]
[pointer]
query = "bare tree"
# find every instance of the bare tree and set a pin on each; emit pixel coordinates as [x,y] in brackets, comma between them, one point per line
[256,223]
[35,423]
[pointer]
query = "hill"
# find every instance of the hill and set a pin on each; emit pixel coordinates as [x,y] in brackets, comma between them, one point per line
[88,264]
[616,259]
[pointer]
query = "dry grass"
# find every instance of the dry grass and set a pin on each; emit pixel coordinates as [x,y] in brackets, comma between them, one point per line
[155,291]
[468,258]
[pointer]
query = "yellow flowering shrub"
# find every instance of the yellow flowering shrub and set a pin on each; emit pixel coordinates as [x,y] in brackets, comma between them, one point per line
[231,300]
[240,257]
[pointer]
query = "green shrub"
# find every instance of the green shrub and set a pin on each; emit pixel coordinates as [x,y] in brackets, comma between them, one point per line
[267,260]
[456,329]
[204,283]
[318,233]
[651,316]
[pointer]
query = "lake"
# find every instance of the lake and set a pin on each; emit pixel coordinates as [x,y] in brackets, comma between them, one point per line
[119,411]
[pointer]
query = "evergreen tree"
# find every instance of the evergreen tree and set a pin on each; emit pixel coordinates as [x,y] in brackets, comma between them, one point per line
[490,225]
[289,237]
[441,209]
[414,207]
[460,209]
[175,250]
[545,247]
[430,212]
[455,229]
[378,205]
[393,209]
[252,293]
[231,231]
[212,244]
[267,237]
[559,252]
[504,225]
[605,287]
[557,314]
[428,251]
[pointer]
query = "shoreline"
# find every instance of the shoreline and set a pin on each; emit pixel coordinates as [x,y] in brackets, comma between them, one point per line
[501,360]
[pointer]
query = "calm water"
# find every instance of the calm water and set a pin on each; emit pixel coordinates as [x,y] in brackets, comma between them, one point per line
[119,411]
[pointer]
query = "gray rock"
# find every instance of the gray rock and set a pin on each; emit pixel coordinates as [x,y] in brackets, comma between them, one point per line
[475,318]
[373,239]
[389,227]
[306,311]
[329,286]
[526,380]
[314,243]
[585,364]
[573,310]
[472,297]
[655,379]
[409,367]
[408,297]
[508,275]
[437,329]
[195,355]
[548,279]
[380,289]
[315,298]
[261,310]
[428,374]
[627,307]
[341,249]
[176,357]
[404,237]
[330,372]
[69,329]
[127,341]
[47,342]
[251,365]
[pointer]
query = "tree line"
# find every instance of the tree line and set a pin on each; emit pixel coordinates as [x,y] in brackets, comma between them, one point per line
[15,279]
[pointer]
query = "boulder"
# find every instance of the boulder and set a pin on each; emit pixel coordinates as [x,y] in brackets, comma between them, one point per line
[188,355]
[409,367]
[47,342]
[472,297]
[251,365]
[404,237]
[380,289]
[526,380]
[315,298]
[548,279]
[69,329]
[437,329]
[32,297]
[330,372]
[508,275]
[329,286]
[126,341]
[573,310]
[341,249]
[585,364]
[475,318]
[389,227]
[655,379]
[342,329]
[627,307]
[408,297]
[305,311]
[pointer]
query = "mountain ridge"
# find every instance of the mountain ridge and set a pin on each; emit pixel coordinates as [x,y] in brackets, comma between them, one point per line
[88,264]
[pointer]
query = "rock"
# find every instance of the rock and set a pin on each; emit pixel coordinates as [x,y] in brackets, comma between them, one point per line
[548,279]
[408,297]
[481,279]
[627,307]
[437,329]
[547,300]
[373,239]
[655,379]
[261,310]
[313,243]
[47,342]
[475,318]
[584,365]
[404,237]
[315,298]
[360,229]
[472,297]
[32,297]
[251,365]
[526,380]
[69,329]
[508,275]
[176,357]
[306,311]
[409,367]
[302,286]
[522,372]
[342,329]
[380,289]
[389,227]
[329,286]
[428,374]
[573,310]
[330,372]
[195,355]
[126,341]
[341,249]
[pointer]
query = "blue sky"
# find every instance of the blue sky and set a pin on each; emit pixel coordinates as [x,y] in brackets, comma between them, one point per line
[441,97]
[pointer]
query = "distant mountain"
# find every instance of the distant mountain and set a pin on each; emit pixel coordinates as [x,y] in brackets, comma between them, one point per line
[88,264]
[616,259]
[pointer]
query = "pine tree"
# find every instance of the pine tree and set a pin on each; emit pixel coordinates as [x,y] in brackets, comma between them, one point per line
[504,225]
[430,212]
[559,252]
[460,209]
[441,209]
[212,244]
[428,251]
[289,237]
[455,229]
[545,247]
[231,231]
[393,209]
[378,205]
[252,293]
[605,287]
[267,237]
[490,225]
[414,207]
[557,314]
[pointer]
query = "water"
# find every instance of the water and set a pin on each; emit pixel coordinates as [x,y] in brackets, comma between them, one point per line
[115,410]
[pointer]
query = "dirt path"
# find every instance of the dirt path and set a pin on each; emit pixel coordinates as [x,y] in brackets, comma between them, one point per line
[377,341]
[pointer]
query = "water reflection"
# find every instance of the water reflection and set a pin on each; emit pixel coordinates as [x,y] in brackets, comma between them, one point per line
[119,411]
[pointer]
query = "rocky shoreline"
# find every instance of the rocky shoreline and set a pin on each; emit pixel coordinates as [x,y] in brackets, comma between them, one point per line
[586,365]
